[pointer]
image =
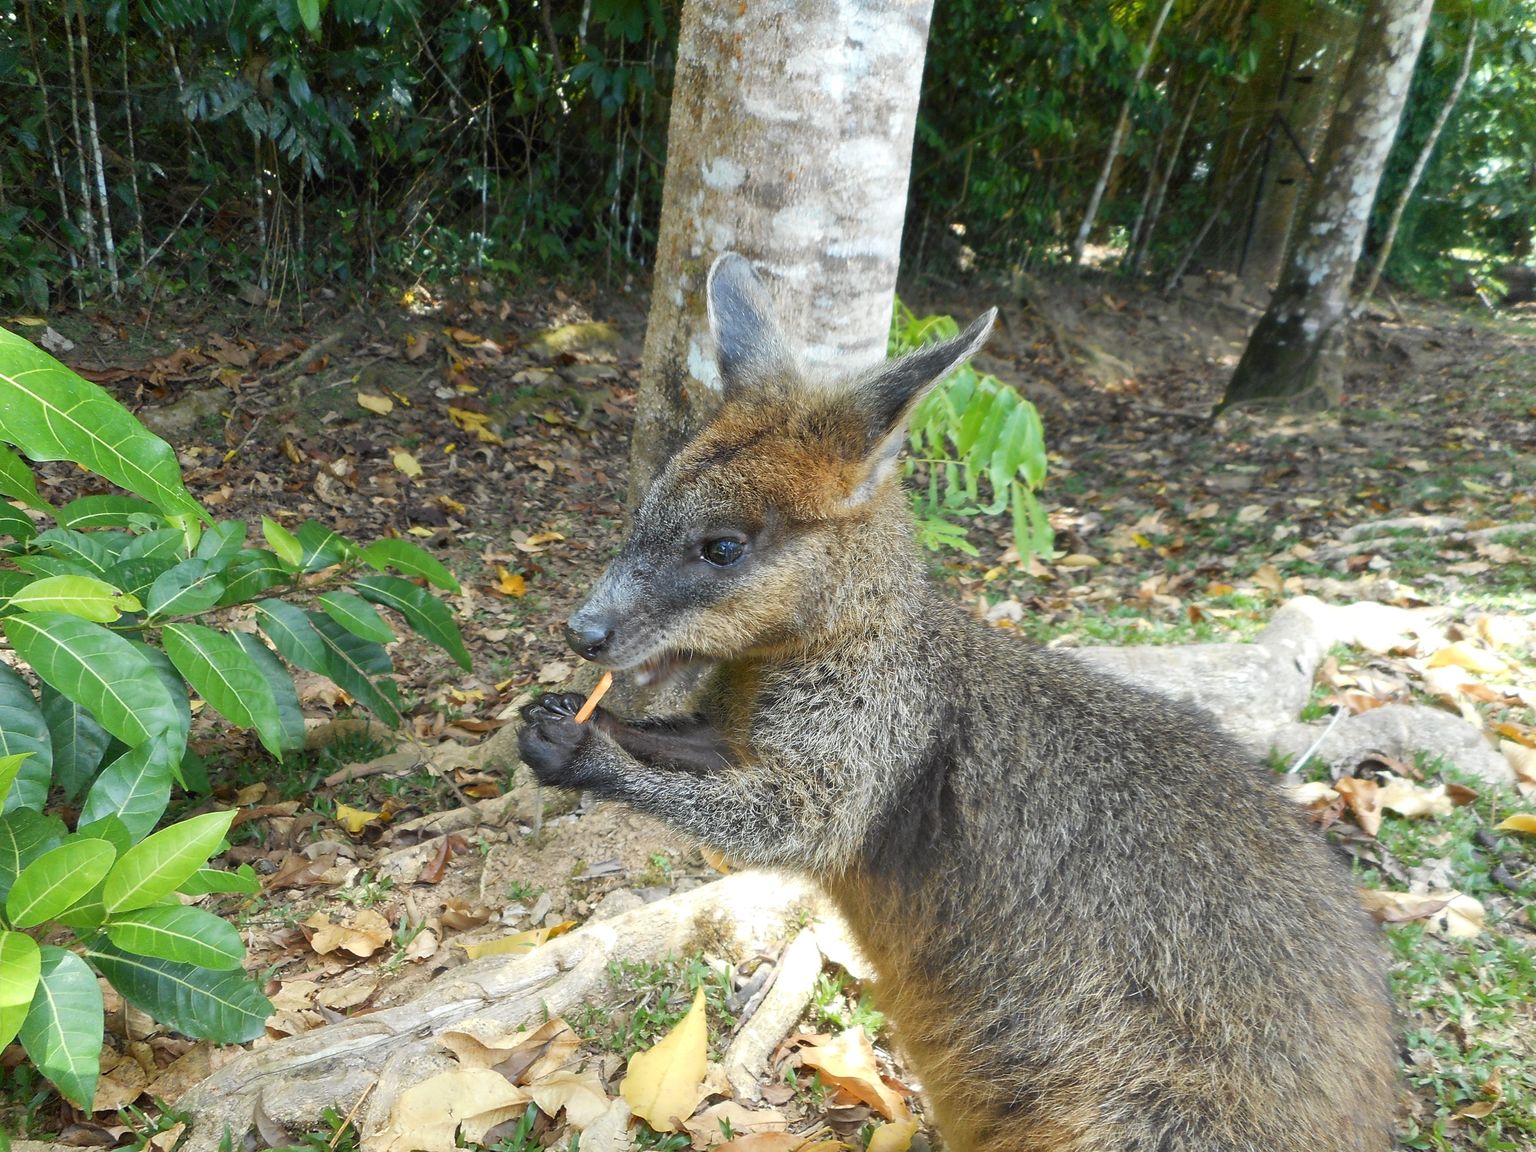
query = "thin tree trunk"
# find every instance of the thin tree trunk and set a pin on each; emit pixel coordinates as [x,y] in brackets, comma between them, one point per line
[1295,353]
[87,216]
[133,164]
[1118,137]
[790,141]
[1385,253]
[54,162]
[1143,243]
[107,241]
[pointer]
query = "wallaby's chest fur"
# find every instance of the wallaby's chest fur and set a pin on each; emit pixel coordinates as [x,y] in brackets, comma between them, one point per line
[1097,925]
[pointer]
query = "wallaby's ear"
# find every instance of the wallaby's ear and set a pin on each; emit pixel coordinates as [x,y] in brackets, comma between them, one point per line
[748,344]
[888,395]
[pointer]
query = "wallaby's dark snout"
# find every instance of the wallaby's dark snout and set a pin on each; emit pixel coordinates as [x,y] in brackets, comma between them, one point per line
[588,633]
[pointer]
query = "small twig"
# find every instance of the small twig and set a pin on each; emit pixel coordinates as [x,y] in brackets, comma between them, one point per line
[336,1136]
[1338,714]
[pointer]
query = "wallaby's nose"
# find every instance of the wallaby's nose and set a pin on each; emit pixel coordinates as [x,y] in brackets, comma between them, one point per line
[587,640]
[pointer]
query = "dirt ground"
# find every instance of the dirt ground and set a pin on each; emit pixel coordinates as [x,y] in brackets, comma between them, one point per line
[503,449]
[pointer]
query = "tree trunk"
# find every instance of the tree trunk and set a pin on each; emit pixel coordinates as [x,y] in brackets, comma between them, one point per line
[1422,162]
[790,141]
[1295,354]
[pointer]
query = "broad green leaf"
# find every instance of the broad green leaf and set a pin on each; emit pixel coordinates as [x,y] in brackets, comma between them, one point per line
[222,541]
[138,575]
[10,766]
[21,967]
[172,932]
[428,615]
[24,836]
[191,587]
[290,716]
[176,688]
[357,616]
[89,550]
[225,1007]
[283,542]
[23,732]
[17,481]
[161,863]
[162,543]
[208,880]
[309,13]
[16,524]
[227,678]
[292,634]
[322,547]
[50,413]
[98,670]
[56,881]
[135,787]
[78,742]
[106,511]
[359,666]
[83,596]
[252,572]
[403,556]
[52,566]
[62,1033]
[108,828]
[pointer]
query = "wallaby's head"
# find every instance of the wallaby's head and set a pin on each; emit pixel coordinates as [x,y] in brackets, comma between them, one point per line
[749,534]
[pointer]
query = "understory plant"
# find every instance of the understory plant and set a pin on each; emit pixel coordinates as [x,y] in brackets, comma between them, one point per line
[115,608]
[981,443]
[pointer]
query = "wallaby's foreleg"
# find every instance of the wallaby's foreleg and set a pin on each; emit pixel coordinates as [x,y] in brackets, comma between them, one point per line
[677,769]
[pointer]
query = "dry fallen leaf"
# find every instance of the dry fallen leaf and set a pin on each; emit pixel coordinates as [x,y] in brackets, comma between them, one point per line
[663,1085]
[1519,822]
[407,463]
[509,583]
[581,1094]
[426,1116]
[383,405]
[1413,800]
[1364,800]
[1449,915]
[354,820]
[707,1127]
[1464,654]
[516,944]
[1521,759]
[365,935]
[893,1137]
[848,1060]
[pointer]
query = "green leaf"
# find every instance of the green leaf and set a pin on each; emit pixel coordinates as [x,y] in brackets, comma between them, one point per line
[403,556]
[227,678]
[357,616]
[221,542]
[162,543]
[428,615]
[209,880]
[78,742]
[250,573]
[135,787]
[16,524]
[10,766]
[359,666]
[88,550]
[98,670]
[52,414]
[161,863]
[138,575]
[108,828]
[106,512]
[24,836]
[21,967]
[225,1007]
[322,547]
[309,13]
[292,634]
[83,596]
[191,587]
[172,932]
[57,880]
[17,481]
[283,542]
[63,1030]
[176,687]
[290,716]
[23,732]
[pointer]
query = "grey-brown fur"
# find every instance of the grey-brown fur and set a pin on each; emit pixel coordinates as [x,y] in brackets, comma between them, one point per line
[1097,925]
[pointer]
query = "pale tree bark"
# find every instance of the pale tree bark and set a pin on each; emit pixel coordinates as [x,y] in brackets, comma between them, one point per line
[1417,173]
[1295,353]
[1118,137]
[790,142]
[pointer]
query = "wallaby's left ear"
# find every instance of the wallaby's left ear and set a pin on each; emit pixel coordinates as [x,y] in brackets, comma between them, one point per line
[888,395]
[748,344]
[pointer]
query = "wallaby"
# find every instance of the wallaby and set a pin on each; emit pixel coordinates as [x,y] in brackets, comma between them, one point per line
[1097,925]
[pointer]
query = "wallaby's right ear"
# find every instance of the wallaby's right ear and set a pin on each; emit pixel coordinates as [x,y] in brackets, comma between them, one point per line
[748,344]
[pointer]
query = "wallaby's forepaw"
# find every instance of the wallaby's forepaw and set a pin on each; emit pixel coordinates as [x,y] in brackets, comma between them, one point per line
[551,739]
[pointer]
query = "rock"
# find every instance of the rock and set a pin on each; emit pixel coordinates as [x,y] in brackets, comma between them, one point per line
[1399,731]
[567,339]
[616,903]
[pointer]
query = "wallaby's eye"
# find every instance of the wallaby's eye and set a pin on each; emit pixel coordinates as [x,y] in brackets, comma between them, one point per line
[723,552]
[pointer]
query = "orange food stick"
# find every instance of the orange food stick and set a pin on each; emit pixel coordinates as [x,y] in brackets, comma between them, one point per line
[584,713]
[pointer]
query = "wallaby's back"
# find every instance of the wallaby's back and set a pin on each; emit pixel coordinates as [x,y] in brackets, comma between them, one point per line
[1097,925]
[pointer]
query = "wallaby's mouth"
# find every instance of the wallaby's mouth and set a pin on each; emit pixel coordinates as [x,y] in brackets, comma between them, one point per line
[661,668]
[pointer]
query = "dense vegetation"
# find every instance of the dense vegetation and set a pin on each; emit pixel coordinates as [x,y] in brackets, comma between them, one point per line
[265,146]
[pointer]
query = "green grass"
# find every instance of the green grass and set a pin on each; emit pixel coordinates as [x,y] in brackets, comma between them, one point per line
[649,998]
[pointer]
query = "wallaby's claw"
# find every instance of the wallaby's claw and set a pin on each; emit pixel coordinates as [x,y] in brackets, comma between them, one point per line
[550,741]
[553,705]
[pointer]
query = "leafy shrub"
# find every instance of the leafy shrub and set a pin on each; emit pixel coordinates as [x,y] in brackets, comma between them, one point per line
[975,435]
[118,607]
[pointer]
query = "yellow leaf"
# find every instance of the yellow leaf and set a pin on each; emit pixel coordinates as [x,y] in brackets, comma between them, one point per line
[1468,656]
[518,943]
[579,1093]
[538,540]
[893,1137]
[665,1084]
[1519,822]
[383,405]
[354,820]
[510,583]
[404,461]
[848,1060]
[476,422]
[1077,560]
[426,1115]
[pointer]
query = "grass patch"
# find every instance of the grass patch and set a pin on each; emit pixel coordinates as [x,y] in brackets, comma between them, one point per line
[658,995]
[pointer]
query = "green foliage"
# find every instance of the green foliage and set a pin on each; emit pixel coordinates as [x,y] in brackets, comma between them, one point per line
[119,609]
[977,438]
